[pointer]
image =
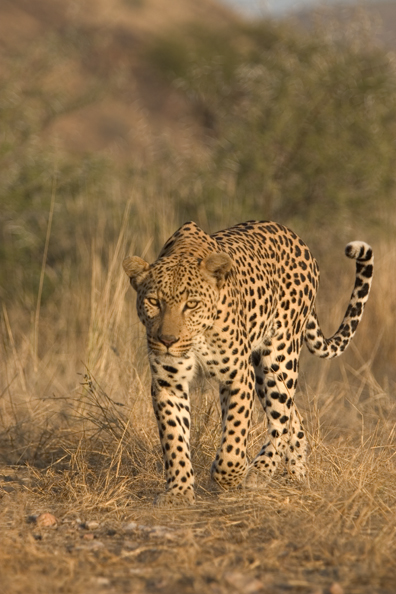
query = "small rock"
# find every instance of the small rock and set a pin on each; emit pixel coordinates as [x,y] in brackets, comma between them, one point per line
[89,536]
[91,525]
[47,520]
[102,581]
[336,589]
[244,583]
[158,532]
[150,531]
[130,527]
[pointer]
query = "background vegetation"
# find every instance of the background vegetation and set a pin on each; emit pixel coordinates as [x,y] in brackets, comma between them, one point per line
[277,123]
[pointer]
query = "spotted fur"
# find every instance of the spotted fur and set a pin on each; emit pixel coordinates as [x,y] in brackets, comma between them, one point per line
[238,303]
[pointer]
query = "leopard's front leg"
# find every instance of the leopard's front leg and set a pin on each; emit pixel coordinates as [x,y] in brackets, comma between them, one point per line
[172,410]
[236,397]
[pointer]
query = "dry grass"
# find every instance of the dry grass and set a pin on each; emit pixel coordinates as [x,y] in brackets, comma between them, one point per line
[85,448]
[339,528]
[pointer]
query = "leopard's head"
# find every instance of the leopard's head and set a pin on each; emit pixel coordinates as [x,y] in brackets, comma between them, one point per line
[177,297]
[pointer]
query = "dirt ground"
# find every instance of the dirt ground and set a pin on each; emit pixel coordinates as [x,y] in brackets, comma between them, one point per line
[290,538]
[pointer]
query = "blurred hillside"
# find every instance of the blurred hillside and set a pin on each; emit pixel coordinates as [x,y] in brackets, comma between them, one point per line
[89,56]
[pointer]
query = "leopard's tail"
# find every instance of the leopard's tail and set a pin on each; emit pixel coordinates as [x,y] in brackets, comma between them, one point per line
[334,346]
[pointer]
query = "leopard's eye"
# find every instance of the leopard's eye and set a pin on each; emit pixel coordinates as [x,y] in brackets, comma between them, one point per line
[191,304]
[153,301]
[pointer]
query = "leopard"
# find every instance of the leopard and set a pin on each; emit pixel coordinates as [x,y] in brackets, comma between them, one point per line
[239,305]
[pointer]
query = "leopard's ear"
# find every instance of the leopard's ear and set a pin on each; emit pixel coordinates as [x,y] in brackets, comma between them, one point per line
[216,267]
[135,268]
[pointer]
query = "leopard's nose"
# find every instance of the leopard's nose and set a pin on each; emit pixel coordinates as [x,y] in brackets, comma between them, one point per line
[168,339]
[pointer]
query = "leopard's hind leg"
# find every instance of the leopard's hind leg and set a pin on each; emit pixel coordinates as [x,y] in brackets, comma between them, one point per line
[276,369]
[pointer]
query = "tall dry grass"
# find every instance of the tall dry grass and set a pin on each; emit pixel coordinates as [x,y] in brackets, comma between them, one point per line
[81,355]
[75,409]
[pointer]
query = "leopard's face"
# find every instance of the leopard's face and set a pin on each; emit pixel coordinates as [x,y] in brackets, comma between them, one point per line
[176,306]
[177,300]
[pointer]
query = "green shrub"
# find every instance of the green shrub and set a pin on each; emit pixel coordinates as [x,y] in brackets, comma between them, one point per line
[298,127]
[302,123]
[32,167]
